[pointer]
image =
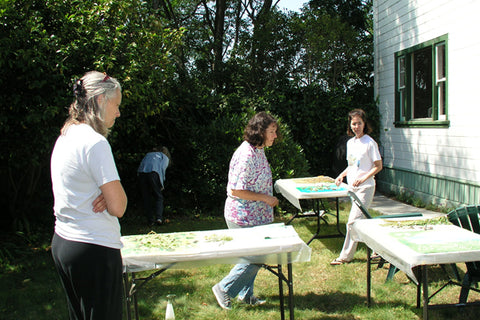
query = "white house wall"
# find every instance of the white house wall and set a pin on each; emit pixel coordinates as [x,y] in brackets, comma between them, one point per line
[452,152]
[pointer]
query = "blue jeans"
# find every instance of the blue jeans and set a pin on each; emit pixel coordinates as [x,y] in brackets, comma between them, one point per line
[241,278]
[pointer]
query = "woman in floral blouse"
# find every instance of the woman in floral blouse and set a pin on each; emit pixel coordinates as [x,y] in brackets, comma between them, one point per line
[249,203]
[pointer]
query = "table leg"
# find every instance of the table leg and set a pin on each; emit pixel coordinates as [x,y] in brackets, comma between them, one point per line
[126,285]
[130,295]
[133,295]
[425,292]
[419,287]
[290,292]
[320,211]
[369,276]
[316,209]
[289,281]
[297,215]
[338,219]
[280,292]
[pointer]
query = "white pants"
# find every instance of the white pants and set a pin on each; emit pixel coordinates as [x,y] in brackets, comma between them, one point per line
[349,246]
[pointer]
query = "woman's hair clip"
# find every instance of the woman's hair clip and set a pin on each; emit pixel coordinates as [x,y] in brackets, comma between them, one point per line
[78,89]
[106,77]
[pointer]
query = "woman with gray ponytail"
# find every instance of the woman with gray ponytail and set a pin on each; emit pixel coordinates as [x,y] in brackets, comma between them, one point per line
[87,108]
[88,201]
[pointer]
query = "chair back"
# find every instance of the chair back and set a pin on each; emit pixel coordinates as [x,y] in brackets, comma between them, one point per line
[467,217]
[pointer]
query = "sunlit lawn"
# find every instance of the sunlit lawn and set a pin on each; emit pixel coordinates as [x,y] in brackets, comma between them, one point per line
[29,288]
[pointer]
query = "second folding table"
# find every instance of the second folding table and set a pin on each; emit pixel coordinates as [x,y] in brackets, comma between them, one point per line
[317,189]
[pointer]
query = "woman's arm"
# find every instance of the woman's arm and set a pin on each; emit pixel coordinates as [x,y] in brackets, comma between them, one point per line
[377,167]
[255,196]
[341,176]
[115,198]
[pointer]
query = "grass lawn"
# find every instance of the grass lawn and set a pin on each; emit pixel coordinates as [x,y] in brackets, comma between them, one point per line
[30,289]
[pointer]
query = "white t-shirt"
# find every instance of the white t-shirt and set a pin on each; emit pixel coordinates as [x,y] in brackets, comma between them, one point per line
[361,154]
[81,162]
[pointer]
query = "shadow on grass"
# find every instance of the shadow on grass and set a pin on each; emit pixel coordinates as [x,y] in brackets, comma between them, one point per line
[329,303]
[338,305]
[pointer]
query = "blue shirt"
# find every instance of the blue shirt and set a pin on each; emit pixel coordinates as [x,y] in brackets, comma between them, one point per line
[154,162]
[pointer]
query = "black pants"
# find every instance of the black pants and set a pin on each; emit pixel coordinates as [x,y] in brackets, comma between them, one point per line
[92,278]
[151,189]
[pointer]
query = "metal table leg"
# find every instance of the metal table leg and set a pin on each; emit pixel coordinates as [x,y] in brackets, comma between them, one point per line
[319,212]
[369,276]
[425,292]
[290,292]
[289,281]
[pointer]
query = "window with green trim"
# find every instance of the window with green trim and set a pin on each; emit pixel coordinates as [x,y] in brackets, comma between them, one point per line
[421,85]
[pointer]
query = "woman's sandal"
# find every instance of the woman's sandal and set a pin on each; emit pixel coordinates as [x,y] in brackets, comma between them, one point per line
[338,262]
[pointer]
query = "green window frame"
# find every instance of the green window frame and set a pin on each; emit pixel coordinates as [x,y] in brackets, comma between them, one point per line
[421,85]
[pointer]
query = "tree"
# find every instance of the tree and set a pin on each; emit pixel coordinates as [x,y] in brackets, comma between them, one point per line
[192,73]
[44,46]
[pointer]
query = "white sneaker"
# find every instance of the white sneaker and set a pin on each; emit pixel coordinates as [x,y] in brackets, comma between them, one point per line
[222,297]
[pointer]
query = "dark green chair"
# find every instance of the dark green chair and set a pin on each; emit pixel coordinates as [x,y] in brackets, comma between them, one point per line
[467,217]
[392,269]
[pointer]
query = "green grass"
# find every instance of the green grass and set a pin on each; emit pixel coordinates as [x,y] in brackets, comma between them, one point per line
[30,289]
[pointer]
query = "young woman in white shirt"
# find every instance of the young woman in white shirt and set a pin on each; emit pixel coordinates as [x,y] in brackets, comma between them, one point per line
[364,162]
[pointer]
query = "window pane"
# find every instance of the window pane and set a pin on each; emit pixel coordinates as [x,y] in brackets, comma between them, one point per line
[422,85]
[401,72]
[403,105]
[441,98]
[441,62]
[441,80]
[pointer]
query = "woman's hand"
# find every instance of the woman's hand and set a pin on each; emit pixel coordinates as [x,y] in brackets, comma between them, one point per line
[99,204]
[271,201]
[358,182]
[341,176]
[338,180]
[377,167]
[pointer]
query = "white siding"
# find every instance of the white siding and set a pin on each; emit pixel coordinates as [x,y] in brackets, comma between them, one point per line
[451,152]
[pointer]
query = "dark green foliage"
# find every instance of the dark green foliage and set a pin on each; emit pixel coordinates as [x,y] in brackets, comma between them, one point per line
[307,69]
[45,45]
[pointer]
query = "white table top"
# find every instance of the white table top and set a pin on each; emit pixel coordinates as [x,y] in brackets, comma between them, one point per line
[297,189]
[408,247]
[269,244]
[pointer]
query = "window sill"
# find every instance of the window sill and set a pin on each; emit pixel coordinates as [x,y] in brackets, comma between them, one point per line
[423,123]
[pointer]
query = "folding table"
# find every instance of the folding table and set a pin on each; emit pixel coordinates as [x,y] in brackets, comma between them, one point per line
[316,189]
[413,247]
[271,246]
